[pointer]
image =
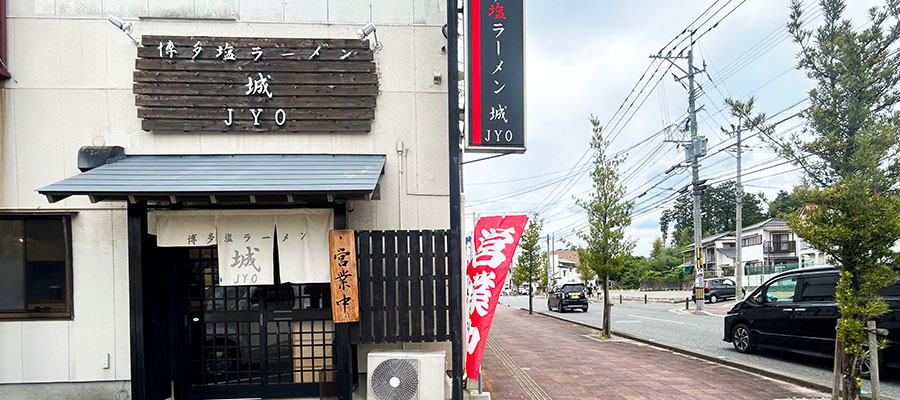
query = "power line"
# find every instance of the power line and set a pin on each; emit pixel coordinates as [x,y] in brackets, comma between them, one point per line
[616,133]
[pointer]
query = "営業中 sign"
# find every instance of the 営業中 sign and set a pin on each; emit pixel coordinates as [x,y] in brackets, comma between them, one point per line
[496,66]
[494,244]
[203,83]
[344,282]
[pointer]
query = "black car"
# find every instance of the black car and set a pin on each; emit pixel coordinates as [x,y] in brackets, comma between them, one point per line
[716,289]
[796,311]
[568,296]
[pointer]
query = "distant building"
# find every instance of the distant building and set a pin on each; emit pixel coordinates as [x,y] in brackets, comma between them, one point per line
[562,267]
[770,242]
[767,248]
[718,255]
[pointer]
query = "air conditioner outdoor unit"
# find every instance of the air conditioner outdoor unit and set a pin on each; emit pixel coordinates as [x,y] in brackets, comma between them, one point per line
[406,375]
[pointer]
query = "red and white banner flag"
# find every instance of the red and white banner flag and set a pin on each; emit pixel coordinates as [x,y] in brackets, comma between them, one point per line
[495,242]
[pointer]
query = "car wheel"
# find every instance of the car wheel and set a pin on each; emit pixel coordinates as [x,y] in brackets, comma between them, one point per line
[865,368]
[742,339]
[585,309]
[713,299]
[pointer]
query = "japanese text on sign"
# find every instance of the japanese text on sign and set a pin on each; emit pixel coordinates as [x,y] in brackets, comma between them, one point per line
[496,64]
[203,83]
[495,241]
[344,283]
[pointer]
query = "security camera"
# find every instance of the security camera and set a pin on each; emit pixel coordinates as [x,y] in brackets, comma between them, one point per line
[367,30]
[124,27]
[120,23]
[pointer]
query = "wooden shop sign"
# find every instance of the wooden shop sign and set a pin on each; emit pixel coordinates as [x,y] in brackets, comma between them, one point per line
[203,83]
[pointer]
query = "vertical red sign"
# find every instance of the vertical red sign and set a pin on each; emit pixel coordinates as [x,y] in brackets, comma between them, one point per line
[495,242]
[496,69]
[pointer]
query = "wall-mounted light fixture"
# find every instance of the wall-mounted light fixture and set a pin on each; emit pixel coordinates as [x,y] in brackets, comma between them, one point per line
[124,27]
[367,30]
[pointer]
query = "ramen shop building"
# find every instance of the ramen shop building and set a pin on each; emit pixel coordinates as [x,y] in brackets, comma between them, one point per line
[179,218]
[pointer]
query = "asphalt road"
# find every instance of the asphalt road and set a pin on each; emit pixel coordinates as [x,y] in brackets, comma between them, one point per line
[702,333]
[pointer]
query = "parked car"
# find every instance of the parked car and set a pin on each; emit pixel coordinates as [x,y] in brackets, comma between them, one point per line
[568,296]
[523,290]
[716,289]
[796,311]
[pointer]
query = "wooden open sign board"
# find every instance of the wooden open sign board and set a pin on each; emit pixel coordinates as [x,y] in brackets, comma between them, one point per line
[344,280]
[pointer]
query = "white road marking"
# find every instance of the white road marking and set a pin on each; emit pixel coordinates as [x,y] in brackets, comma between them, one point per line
[692,312]
[628,321]
[661,320]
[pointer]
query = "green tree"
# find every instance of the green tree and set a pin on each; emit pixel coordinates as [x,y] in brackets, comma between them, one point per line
[657,248]
[586,273]
[684,238]
[849,156]
[531,264]
[630,275]
[784,205]
[608,214]
[717,214]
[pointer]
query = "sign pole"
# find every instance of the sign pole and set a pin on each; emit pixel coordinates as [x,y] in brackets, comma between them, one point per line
[454,257]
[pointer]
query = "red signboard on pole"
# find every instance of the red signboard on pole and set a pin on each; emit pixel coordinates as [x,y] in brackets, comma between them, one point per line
[496,76]
[495,242]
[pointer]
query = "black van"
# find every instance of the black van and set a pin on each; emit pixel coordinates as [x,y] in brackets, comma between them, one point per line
[570,295]
[795,311]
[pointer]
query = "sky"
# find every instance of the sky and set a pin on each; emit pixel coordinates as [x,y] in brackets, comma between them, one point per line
[584,57]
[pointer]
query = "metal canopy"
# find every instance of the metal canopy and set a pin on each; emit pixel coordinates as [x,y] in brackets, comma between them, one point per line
[233,178]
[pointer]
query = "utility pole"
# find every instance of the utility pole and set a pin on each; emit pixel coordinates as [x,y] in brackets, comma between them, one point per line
[695,173]
[694,149]
[738,224]
[552,249]
[549,265]
[548,260]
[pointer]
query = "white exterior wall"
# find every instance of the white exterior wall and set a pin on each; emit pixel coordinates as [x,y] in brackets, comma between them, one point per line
[752,253]
[72,87]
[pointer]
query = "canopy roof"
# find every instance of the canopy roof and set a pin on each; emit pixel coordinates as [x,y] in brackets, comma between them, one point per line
[214,178]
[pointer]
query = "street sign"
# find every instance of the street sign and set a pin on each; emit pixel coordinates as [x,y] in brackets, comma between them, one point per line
[496,84]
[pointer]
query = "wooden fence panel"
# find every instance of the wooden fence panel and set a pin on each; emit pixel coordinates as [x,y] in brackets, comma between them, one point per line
[378,308]
[390,287]
[428,286]
[403,286]
[441,286]
[403,283]
[364,269]
[415,285]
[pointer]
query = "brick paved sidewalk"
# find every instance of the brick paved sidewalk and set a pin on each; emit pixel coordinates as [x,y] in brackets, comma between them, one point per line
[538,357]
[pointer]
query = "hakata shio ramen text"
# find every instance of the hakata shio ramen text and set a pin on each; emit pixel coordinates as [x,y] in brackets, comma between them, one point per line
[256,85]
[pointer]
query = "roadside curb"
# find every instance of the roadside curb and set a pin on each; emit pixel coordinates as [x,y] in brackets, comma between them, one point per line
[732,364]
[663,300]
